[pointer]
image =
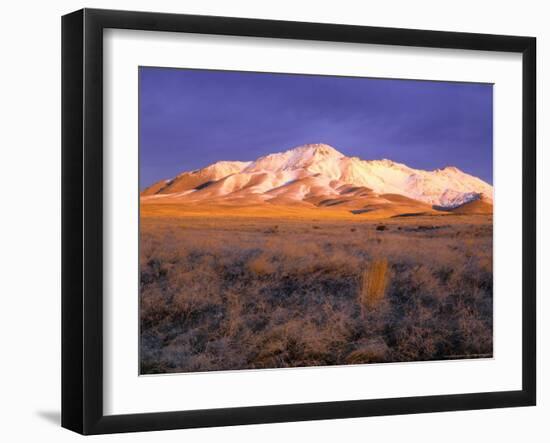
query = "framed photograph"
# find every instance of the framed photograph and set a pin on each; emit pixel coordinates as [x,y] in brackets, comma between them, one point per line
[269,221]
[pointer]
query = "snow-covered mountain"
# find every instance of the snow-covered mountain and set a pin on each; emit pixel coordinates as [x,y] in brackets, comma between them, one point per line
[316,174]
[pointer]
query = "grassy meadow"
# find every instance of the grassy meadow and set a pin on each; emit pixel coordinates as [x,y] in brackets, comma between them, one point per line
[226,293]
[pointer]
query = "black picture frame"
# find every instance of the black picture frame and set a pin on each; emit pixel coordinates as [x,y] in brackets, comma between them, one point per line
[82,218]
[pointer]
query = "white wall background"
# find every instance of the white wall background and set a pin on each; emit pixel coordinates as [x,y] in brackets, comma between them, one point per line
[30,218]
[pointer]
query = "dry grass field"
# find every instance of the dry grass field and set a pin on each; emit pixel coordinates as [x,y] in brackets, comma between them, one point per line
[246,290]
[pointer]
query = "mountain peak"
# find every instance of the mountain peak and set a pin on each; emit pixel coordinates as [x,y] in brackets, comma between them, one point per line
[450,169]
[320,149]
[299,157]
[310,154]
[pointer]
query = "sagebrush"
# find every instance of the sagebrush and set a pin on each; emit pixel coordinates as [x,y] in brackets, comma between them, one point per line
[236,294]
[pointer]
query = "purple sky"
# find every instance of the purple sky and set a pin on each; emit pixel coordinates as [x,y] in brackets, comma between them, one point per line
[191,118]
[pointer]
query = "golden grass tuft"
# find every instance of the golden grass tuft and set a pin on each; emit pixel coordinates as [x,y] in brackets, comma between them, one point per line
[234,313]
[261,266]
[374,283]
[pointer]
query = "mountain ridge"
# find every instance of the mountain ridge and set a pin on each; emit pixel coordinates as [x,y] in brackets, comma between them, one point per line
[314,174]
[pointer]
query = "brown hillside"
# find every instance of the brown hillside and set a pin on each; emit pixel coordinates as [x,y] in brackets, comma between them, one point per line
[155,188]
[480,206]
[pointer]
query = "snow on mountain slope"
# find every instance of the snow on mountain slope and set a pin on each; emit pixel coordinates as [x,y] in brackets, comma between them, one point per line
[316,172]
[316,158]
